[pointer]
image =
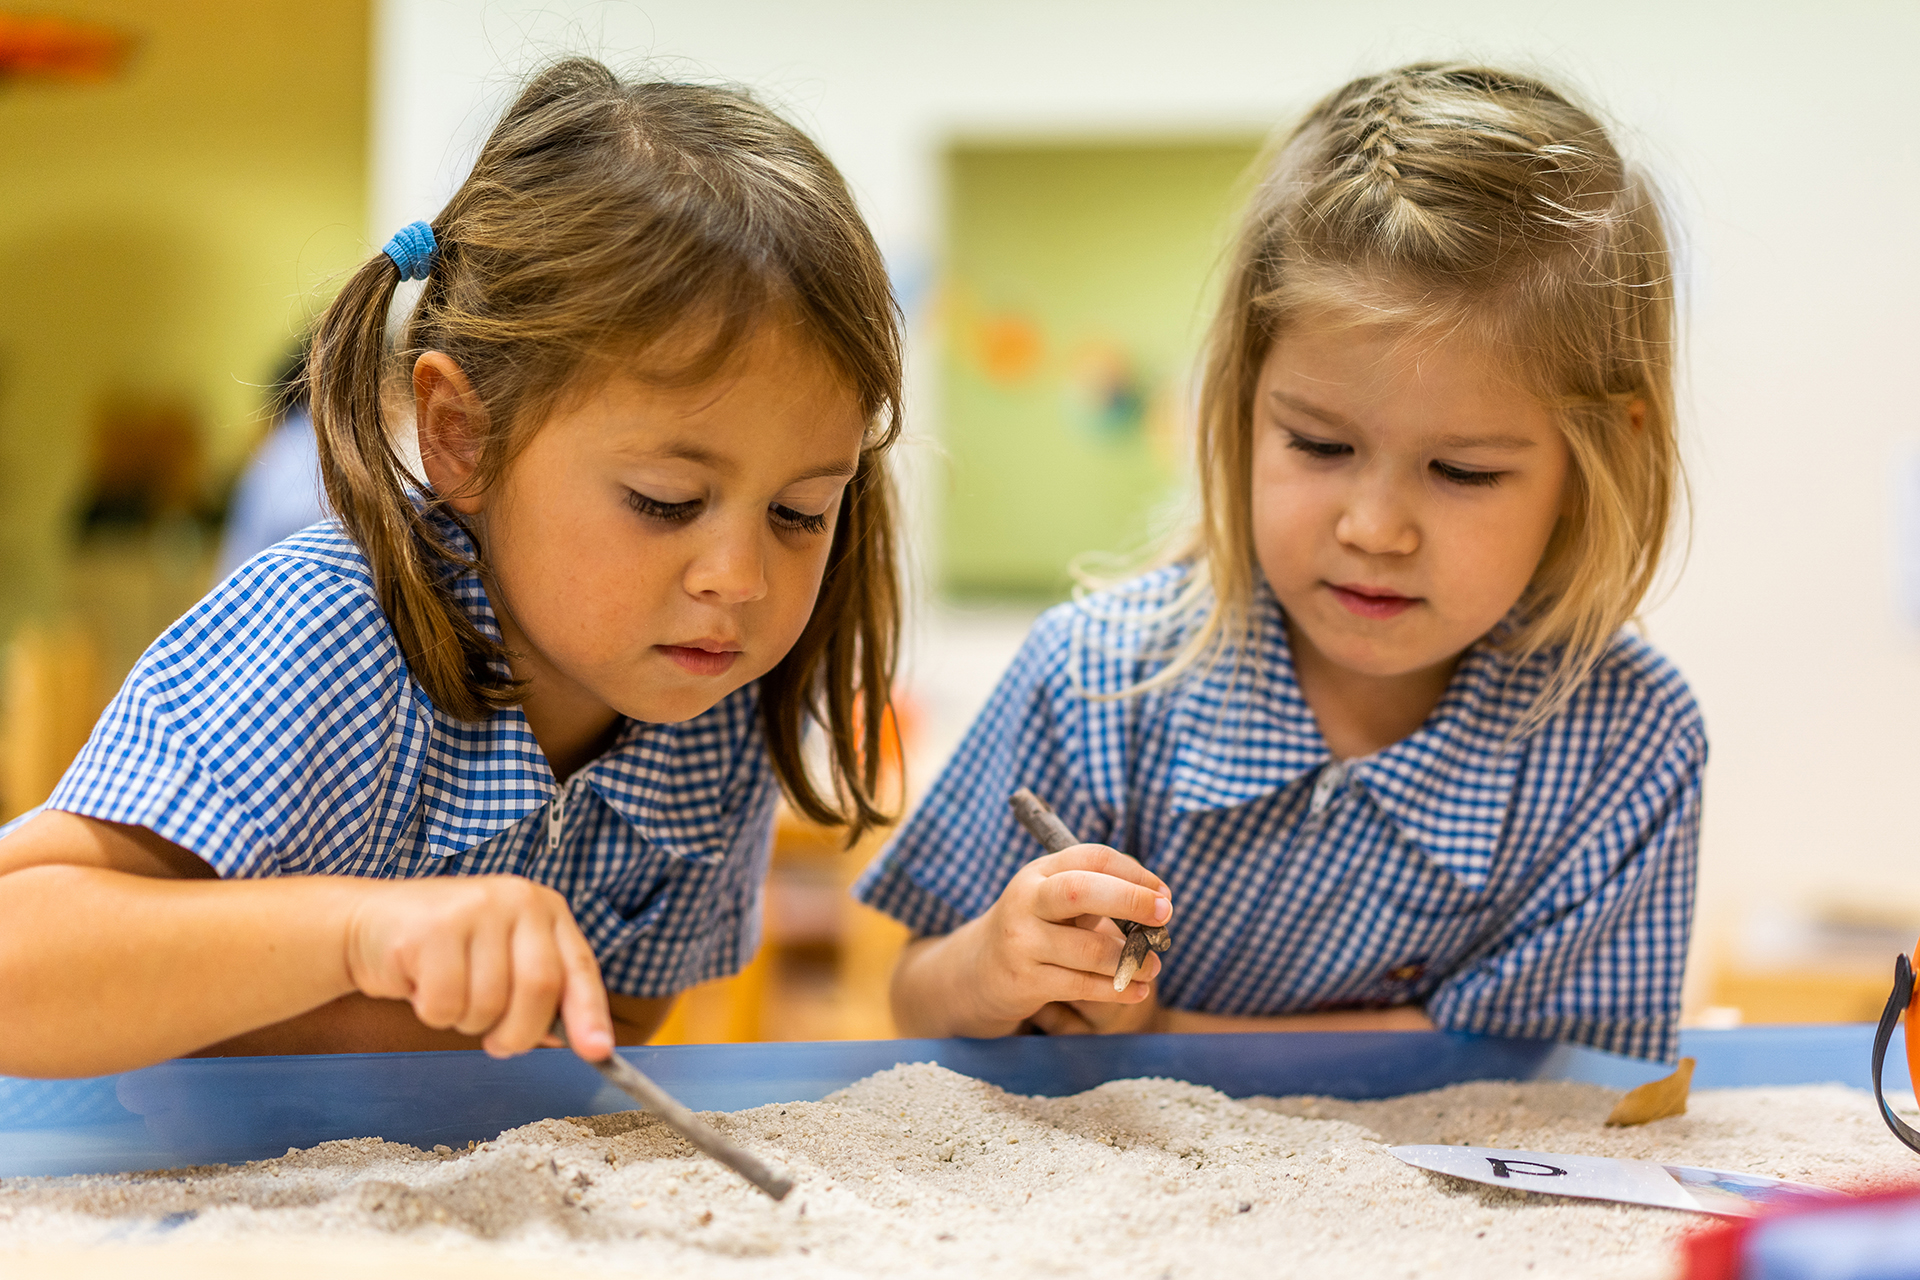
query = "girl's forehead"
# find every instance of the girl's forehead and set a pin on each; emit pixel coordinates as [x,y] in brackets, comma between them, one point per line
[1445,388]
[760,408]
[1372,360]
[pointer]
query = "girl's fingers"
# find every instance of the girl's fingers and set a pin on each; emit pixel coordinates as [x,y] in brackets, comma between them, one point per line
[1103,927]
[439,975]
[1069,985]
[583,1003]
[489,980]
[1061,1020]
[1068,894]
[1107,862]
[538,979]
[1089,951]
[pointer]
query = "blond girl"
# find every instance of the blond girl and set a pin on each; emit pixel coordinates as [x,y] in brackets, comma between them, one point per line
[1375,740]
[506,739]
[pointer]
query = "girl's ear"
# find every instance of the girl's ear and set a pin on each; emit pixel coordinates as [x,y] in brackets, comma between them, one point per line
[451,423]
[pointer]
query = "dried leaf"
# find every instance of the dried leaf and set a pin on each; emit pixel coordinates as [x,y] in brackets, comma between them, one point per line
[1657,1099]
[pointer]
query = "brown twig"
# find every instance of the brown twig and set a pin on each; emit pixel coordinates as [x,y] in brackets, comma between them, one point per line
[633,1082]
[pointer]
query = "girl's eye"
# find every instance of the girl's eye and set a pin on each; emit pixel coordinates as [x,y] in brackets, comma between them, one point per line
[1461,475]
[657,510]
[799,521]
[1317,448]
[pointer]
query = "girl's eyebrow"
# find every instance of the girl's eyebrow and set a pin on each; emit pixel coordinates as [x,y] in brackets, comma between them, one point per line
[686,452]
[1485,442]
[1312,410]
[1331,418]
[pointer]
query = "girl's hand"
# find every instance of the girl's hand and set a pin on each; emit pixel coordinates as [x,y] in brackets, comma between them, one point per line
[1086,1018]
[489,956]
[1090,1018]
[1050,939]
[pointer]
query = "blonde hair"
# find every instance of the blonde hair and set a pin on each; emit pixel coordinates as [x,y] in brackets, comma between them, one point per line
[1459,200]
[600,217]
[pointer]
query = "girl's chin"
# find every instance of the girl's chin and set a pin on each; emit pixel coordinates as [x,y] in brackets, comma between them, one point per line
[1369,657]
[655,709]
[667,694]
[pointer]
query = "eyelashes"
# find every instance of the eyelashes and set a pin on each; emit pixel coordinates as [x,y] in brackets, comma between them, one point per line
[1329,449]
[1317,448]
[1462,476]
[784,517]
[788,518]
[657,510]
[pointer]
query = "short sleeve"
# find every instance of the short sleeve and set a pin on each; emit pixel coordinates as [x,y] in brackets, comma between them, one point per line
[264,726]
[962,844]
[1597,952]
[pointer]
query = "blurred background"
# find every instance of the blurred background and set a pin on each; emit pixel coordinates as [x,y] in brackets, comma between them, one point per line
[183,182]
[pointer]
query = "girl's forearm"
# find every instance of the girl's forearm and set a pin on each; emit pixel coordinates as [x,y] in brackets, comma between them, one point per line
[359,1023]
[932,988]
[105,971]
[1400,1018]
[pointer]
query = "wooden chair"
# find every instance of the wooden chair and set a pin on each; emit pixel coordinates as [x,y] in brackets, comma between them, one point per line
[49,698]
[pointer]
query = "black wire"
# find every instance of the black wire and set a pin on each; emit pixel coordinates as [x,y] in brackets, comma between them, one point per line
[1896,1004]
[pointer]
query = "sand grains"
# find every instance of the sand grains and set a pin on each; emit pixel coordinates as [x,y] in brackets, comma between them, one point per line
[921,1171]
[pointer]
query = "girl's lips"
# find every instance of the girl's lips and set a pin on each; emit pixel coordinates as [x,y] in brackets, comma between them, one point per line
[700,662]
[1370,604]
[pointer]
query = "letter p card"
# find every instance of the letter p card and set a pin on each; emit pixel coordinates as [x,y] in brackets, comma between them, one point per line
[1665,1186]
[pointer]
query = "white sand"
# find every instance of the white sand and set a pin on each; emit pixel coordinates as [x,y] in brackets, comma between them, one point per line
[920,1171]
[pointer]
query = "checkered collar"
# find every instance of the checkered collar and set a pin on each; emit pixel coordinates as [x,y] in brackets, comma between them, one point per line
[673,783]
[1244,731]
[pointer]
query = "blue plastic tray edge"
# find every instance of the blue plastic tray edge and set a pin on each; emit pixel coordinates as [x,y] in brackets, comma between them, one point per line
[214,1110]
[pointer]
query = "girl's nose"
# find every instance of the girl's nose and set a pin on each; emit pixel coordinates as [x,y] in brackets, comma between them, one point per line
[729,569]
[1376,521]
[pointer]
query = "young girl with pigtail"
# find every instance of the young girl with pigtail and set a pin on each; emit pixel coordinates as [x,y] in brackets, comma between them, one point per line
[506,739]
[1374,738]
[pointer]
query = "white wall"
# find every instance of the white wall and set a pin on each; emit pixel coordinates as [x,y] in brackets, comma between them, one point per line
[1784,132]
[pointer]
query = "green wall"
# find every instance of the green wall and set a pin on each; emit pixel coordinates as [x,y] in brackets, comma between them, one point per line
[162,236]
[1079,281]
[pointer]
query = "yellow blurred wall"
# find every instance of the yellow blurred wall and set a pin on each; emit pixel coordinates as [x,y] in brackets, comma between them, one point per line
[163,236]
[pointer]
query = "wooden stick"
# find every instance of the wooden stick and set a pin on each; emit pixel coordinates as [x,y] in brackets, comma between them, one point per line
[633,1082]
[1044,825]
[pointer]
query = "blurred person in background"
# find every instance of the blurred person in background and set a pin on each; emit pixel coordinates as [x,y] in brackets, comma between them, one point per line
[279,493]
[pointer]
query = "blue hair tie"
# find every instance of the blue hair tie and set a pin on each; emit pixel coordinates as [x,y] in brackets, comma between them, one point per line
[412,250]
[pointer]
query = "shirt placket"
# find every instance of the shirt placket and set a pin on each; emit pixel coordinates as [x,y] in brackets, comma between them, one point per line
[557,816]
[1326,790]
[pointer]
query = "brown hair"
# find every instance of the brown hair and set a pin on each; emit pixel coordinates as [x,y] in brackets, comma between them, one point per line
[1454,199]
[602,215]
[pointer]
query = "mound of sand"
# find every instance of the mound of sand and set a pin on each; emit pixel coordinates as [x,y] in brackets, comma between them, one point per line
[921,1171]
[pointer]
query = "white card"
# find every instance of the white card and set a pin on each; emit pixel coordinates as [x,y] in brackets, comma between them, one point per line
[1667,1186]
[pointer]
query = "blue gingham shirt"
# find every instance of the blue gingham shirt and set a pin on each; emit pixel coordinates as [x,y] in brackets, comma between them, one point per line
[1540,888]
[275,730]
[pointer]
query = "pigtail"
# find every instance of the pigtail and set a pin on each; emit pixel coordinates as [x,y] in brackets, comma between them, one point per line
[383,506]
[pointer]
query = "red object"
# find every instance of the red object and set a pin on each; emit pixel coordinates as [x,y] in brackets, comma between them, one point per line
[1719,1252]
[1714,1254]
[48,48]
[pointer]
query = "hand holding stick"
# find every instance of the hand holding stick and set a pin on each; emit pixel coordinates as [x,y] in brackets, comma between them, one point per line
[633,1082]
[1044,825]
